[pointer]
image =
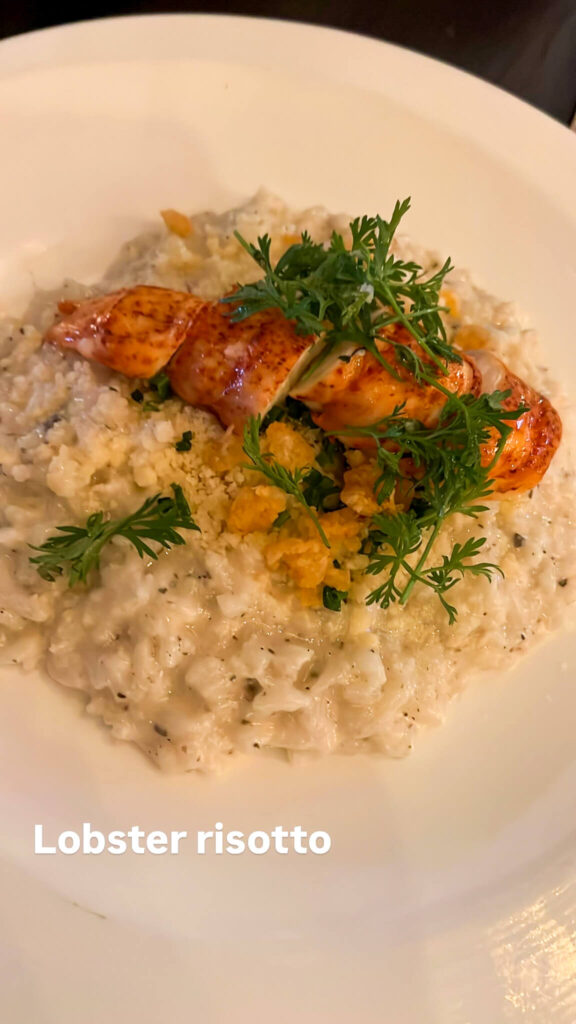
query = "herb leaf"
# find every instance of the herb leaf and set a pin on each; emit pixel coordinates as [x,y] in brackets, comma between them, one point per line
[290,409]
[321,491]
[281,518]
[351,294]
[76,549]
[185,442]
[289,481]
[160,383]
[393,539]
[443,577]
[331,455]
[442,472]
[161,388]
[333,599]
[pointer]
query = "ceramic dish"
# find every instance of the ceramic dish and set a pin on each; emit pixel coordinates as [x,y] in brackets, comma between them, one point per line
[448,894]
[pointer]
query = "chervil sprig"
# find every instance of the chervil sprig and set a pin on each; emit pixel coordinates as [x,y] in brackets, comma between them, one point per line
[441,471]
[349,295]
[290,481]
[76,549]
[442,578]
[396,537]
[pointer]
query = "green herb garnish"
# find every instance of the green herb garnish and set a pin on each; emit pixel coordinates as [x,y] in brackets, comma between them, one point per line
[287,480]
[289,409]
[76,549]
[321,491]
[333,599]
[349,295]
[161,390]
[160,383]
[298,411]
[331,455]
[281,518]
[401,535]
[445,476]
[185,442]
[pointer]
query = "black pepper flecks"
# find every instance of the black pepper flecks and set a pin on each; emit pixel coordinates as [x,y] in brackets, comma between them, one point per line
[252,688]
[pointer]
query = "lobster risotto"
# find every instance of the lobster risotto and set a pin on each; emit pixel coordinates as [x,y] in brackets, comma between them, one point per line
[292,531]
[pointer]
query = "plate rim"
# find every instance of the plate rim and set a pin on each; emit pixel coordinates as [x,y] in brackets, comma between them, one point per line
[206,22]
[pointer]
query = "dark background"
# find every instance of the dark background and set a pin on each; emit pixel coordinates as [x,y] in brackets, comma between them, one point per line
[525,46]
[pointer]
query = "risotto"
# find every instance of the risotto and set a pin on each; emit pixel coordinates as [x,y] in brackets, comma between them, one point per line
[213,648]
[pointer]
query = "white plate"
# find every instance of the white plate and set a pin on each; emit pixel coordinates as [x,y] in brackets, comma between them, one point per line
[448,896]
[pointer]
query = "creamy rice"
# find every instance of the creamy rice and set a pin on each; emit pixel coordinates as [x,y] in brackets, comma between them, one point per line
[204,652]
